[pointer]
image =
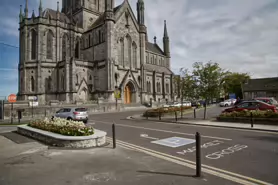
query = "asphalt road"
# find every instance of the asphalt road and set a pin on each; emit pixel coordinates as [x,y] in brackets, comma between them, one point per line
[252,154]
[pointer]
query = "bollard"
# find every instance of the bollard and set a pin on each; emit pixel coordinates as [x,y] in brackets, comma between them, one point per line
[159,115]
[114,136]
[252,120]
[198,154]
[176,116]
[194,113]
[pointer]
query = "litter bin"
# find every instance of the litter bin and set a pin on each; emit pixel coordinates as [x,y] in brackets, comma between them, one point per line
[19,114]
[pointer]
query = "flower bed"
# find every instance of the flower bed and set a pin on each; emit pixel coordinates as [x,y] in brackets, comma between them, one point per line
[63,127]
[255,114]
[164,111]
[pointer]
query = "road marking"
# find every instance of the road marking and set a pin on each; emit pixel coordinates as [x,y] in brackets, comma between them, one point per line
[230,150]
[208,169]
[166,131]
[174,142]
[213,126]
[146,136]
[206,145]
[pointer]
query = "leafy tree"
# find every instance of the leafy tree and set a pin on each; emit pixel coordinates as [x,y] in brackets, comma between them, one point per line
[187,84]
[209,77]
[232,83]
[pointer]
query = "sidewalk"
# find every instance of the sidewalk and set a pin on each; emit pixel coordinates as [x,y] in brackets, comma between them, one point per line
[211,123]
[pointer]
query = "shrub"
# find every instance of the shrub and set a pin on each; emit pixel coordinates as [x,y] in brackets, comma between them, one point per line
[63,126]
[255,114]
[164,110]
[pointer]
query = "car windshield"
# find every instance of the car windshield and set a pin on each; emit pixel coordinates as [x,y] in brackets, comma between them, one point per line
[81,109]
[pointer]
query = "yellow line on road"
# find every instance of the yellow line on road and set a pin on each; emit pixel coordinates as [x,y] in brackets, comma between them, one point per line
[205,168]
[159,130]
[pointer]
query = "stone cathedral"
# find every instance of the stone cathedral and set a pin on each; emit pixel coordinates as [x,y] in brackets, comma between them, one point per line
[87,50]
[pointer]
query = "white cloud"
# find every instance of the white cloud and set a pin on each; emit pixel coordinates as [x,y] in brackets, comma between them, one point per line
[241,35]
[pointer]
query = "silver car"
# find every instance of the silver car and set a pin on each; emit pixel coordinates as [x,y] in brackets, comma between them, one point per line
[76,114]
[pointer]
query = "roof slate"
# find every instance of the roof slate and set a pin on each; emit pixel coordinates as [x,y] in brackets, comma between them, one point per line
[261,84]
[154,48]
[53,14]
[160,69]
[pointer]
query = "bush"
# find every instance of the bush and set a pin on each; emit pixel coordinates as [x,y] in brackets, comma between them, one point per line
[162,111]
[255,114]
[63,126]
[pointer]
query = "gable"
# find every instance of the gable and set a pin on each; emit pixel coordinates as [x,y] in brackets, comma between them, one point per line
[122,10]
[154,48]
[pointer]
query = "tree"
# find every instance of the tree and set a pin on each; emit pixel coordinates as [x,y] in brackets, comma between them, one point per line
[232,83]
[209,77]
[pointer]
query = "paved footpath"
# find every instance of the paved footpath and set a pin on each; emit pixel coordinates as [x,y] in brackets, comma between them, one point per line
[238,155]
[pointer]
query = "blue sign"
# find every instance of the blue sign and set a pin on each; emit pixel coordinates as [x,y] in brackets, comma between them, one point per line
[232,96]
[174,142]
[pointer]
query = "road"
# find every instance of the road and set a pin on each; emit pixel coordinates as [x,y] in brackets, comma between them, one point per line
[249,155]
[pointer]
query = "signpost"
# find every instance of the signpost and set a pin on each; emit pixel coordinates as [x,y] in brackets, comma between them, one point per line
[1,109]
[12,100]
[32,99]
[117,95]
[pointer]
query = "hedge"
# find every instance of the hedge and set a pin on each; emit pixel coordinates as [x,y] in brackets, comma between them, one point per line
[246,113]
[164,110]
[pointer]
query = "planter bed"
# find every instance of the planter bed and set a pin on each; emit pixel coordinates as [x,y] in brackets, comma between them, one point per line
[58,140]
[262,121]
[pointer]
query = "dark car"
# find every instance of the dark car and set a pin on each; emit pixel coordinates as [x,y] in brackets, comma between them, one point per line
[251,105]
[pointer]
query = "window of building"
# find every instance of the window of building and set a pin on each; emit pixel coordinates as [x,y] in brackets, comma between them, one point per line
[77,49]
[49,53]
[33,45]
[49,85]
[89,40]
[129,45]
[134,47]
[121,52]
[64,46]
[167,88]
[32,84]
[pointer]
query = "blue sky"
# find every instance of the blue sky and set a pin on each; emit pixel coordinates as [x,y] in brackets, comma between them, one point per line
[241,35]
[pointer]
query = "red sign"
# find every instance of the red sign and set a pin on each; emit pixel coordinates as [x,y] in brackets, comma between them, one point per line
[12,98]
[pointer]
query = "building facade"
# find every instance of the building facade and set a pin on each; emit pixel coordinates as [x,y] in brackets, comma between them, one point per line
[260,87]
[89,49]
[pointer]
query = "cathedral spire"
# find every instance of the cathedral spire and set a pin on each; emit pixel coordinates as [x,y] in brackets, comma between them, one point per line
[166,41]
[165,30]
[40,8]
[58,6]
[26,9]
[141,12]
[33,14]
[20,14]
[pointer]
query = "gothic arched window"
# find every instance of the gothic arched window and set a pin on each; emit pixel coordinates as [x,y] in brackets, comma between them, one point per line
[64,46]
[49,85]
[89,40]
[134,54]
[33,44]
[63,82]
[129,45]
[121,52]
[77,79]
[32,84]
[49,45]
[77,48]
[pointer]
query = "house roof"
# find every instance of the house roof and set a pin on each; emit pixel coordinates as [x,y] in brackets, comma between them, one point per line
[154,48]
[261,84]
[160,69]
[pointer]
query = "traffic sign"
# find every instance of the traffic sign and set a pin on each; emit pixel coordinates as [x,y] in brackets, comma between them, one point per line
[33,98]
[117,94]
[12,98]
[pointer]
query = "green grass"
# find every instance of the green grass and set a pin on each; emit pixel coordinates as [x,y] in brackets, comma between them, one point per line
[14,124]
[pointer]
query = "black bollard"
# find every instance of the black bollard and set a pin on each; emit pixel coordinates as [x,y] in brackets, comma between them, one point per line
[198,154]
[176,116]
[194,113]
[159,115]
[114,136]
[252,120]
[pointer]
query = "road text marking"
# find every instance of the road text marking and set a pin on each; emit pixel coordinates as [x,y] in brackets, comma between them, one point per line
[206,145]
[230,150]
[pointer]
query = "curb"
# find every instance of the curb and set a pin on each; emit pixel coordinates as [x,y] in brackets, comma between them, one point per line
[204,125]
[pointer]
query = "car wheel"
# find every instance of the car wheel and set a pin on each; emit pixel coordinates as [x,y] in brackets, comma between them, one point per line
[226,105]
[69,118]
[85,121]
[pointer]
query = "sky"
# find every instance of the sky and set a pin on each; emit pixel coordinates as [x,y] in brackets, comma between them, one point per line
[240,35]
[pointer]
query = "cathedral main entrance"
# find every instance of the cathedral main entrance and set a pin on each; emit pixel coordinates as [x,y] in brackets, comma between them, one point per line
[129,93]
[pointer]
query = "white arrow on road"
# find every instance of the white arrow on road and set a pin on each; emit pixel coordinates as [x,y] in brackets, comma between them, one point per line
[146,136]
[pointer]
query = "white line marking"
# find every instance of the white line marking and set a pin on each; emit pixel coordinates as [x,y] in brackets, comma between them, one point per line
[148,137]
[166,131]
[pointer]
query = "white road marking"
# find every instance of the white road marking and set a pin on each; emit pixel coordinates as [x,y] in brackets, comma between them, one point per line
[230,150]
[148,137]
[166,131]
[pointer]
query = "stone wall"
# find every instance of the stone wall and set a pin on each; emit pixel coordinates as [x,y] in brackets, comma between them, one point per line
[49,111]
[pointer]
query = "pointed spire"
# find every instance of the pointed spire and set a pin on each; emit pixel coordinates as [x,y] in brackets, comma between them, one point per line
[154,39]
[58,6]
[141,12]
[40,8]
[33,14]
[20,14]
[26,9]
[165,30]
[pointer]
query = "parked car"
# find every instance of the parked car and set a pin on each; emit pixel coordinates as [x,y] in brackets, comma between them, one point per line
[251,105]
[269,100]
[185,104]
[76,114]
[226,103]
